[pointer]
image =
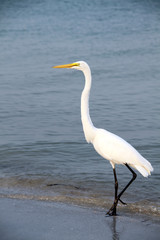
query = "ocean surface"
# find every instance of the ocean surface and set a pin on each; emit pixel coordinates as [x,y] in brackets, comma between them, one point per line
[43,152]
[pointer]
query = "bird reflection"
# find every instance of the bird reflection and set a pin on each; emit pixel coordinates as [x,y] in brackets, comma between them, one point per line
[113,226]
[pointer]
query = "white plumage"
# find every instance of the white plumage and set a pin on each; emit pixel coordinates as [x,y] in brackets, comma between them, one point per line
[118,151]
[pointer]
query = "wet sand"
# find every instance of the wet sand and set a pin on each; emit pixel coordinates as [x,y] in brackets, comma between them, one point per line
[39,220]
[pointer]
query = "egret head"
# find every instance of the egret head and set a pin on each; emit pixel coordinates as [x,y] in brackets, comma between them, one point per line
[80,65]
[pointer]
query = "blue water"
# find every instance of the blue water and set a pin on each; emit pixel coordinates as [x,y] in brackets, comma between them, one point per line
[41,137]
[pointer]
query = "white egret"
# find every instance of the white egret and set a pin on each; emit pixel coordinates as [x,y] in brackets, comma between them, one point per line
[107,144]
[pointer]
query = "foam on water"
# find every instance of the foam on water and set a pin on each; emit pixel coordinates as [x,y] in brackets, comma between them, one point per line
[38,189]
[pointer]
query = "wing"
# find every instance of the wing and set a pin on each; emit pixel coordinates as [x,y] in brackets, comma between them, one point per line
[118,151]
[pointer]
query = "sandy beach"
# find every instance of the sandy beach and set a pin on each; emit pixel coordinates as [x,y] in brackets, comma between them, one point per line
[31,219]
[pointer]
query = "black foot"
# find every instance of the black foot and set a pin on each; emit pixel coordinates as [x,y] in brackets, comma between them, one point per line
[112,212]
[122,202]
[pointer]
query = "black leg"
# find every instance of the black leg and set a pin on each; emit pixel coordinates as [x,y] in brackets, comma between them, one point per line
[116,183]
[112,210]
[133,178]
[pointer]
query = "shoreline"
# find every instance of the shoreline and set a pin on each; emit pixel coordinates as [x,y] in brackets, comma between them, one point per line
[79,198]
[23,219]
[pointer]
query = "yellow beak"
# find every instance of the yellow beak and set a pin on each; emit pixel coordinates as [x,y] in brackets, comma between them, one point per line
[67,65]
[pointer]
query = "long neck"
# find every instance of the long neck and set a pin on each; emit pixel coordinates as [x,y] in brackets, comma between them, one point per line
[88,127]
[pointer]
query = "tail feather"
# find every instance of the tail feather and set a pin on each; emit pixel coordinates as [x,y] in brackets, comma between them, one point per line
[142,170]
[145,168]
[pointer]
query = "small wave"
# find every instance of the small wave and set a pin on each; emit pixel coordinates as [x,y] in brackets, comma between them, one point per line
[66,193]
[89,202]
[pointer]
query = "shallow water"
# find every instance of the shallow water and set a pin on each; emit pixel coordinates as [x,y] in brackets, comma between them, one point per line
[42,141]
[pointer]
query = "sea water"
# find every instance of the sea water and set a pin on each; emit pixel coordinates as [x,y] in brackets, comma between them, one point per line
[43,152]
